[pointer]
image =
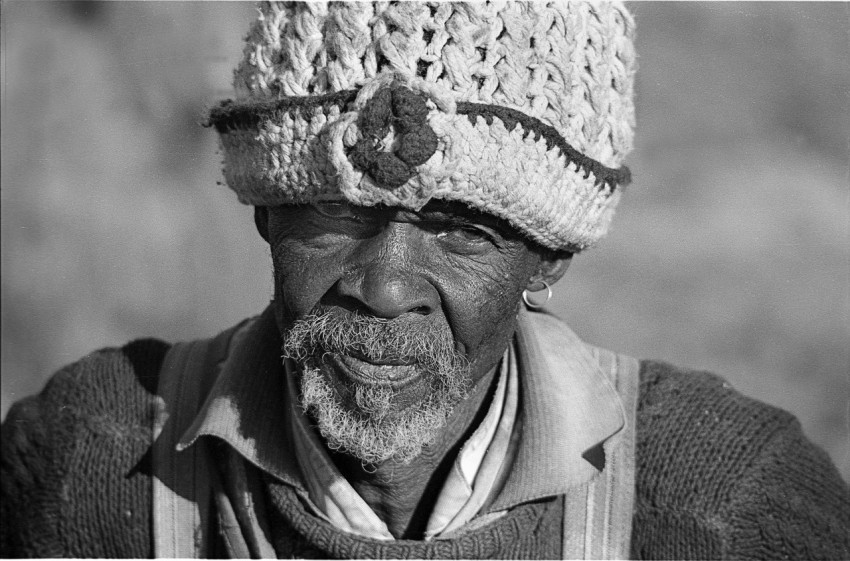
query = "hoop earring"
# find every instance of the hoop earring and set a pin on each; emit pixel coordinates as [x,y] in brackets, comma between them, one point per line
[536,305]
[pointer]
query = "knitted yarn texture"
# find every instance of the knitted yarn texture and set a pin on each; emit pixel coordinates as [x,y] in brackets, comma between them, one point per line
[719,476]
[522,110]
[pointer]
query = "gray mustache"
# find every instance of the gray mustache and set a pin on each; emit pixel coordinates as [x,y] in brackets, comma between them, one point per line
[370,338]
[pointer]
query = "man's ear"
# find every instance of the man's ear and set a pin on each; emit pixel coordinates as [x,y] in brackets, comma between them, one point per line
[261,220]
[552,268]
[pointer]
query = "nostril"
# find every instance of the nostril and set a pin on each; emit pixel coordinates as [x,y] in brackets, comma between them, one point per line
[350,303]
[379,297]
[385,286]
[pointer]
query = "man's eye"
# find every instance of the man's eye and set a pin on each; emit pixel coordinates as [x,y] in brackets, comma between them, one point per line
[337,211]
[467,233]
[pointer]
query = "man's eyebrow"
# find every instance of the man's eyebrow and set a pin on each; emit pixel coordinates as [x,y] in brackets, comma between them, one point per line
[462,214]
[457,211]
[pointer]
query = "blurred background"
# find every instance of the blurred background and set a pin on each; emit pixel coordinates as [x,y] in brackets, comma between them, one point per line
[730,252]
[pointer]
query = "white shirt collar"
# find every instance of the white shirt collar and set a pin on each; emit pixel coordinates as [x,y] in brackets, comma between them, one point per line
[568,407]
[467,486]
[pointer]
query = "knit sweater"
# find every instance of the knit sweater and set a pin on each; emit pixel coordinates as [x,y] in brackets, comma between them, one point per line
[719,475]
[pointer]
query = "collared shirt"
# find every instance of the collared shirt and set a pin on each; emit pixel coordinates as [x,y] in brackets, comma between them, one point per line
[567,407]
[467,486]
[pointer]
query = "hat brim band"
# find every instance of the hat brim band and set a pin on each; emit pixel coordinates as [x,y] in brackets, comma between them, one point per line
[511,118]
[231,116]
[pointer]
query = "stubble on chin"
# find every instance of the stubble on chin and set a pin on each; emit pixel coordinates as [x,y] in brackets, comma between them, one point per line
[368,421]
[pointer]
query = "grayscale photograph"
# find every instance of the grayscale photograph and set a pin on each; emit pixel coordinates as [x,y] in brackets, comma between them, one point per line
[404,279]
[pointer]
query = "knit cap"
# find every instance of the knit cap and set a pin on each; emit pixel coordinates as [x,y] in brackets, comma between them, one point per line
[522,110]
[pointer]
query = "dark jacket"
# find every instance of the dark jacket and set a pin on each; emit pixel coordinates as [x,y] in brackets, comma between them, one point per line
[719,475]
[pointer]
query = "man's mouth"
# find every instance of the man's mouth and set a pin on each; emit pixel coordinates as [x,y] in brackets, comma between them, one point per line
[392,374]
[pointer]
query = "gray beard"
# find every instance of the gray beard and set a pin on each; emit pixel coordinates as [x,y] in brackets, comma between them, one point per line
[369,426]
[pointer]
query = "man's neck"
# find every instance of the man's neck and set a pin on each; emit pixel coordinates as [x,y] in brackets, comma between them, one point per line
[403,495]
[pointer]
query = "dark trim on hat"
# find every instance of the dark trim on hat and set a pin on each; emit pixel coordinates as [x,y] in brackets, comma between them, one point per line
[230,115]
[511,117]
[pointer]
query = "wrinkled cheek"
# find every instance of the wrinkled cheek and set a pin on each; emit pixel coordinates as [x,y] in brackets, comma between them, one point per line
[487,330]
[485,305]
[298,285]
[500,317]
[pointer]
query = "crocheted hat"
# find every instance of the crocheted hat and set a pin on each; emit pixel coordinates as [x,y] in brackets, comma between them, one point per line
[522,110]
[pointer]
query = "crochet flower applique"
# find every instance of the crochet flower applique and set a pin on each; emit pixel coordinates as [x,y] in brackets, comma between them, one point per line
[404,112]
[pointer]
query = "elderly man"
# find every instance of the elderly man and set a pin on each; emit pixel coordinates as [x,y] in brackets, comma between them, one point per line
[423,174]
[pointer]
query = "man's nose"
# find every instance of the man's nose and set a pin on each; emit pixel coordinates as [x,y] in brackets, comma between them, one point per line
[386,277]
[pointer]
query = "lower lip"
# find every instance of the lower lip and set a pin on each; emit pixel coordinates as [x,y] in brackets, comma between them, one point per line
[392,375]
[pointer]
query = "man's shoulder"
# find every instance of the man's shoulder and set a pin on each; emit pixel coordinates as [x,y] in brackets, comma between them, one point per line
[108,394]
[672,393]
[102,382]
[74,458]
[731,472]
[698,419]
[115,380]
[695,430]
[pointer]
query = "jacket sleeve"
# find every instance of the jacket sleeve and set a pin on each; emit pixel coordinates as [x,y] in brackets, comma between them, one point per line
[74,470]
[792,503]
[723,476]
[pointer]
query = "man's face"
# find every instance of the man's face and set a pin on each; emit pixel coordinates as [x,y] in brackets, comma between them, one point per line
[392,315]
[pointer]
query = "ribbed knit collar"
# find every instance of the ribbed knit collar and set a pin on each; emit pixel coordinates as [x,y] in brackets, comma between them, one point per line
[569,407]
